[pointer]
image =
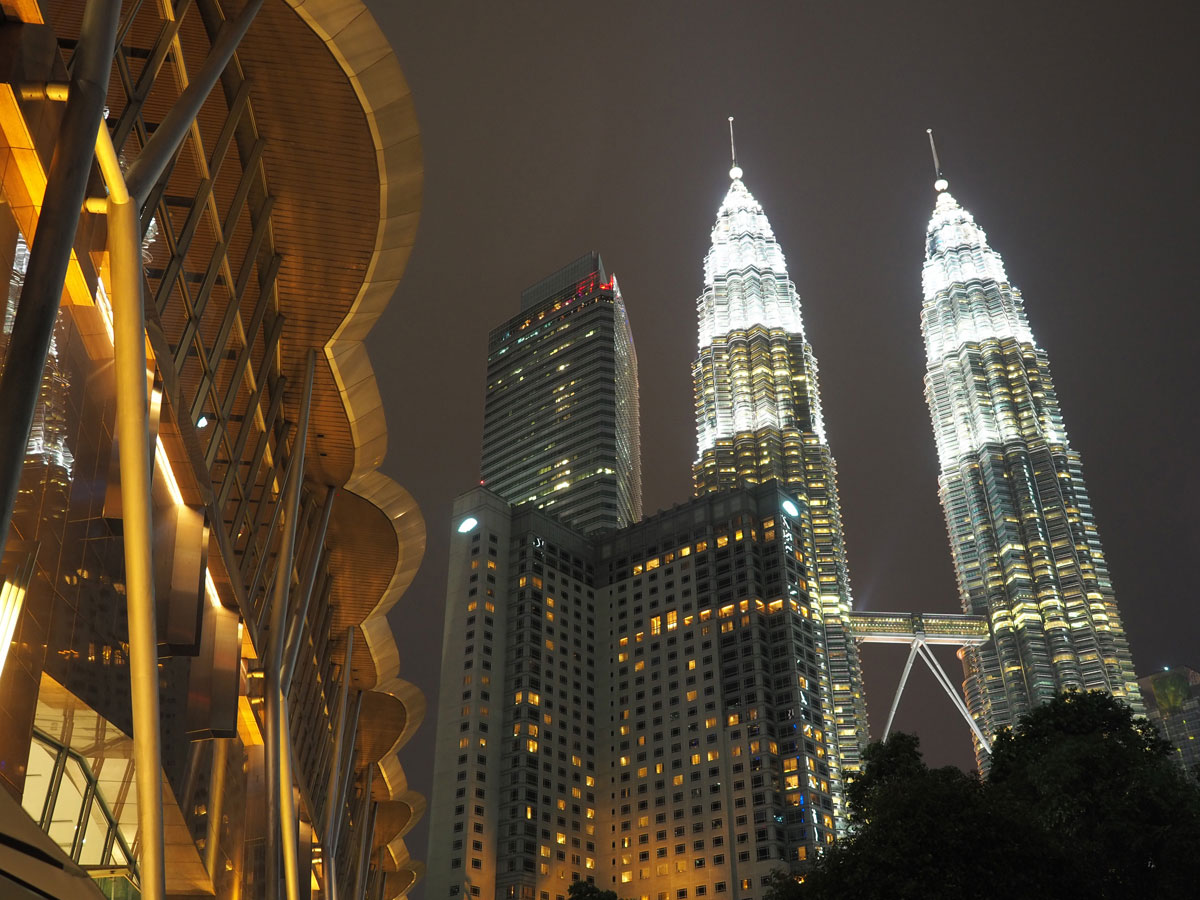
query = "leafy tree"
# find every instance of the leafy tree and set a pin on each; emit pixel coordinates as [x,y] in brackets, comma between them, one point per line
[586,890]
[1081,801]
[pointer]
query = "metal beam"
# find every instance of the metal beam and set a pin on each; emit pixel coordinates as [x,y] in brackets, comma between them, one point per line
[216,805]
[129,340]
[50,245]
[944,680]
[295,633]
[368,829]
[160,150]
[276,740]
[912,653]
[333,816]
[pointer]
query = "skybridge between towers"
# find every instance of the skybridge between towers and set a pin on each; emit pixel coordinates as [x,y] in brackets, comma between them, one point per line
[919,631]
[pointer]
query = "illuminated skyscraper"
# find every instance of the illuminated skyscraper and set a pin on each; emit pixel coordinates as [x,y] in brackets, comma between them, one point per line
[758,417]
[1022,531]
[561,426]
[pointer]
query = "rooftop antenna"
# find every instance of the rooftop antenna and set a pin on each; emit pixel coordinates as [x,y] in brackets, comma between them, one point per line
[735,172]
[941,183]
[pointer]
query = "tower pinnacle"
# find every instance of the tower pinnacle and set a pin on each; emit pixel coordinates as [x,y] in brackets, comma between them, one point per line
[736,171]
[941,183]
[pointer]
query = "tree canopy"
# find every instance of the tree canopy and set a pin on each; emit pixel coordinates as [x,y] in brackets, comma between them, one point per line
[586,890]
[1081,800]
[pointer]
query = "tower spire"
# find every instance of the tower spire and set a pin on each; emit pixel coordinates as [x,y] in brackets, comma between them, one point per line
[940,184]
[736,171]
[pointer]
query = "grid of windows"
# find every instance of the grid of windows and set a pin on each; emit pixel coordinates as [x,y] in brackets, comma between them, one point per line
[656,715]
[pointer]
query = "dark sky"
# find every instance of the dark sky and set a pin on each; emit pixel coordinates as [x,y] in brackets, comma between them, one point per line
[1068,129]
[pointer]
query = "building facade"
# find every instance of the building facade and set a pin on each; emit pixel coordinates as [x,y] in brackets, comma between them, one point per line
[255,665]
[1172,699]
[642,709]
[758,417]
[561,422]
[1022,530]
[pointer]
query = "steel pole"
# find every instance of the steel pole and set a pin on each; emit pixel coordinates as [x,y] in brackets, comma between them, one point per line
[347,778]
[944,680]
[50,245]
[129,330]
[368,826]
[912,653]
[145,171]
[216,806]
[288,819]
[276,739]
[334,790]
[295,632]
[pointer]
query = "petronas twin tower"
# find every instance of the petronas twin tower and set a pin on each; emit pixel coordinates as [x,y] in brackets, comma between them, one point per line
[1022,533]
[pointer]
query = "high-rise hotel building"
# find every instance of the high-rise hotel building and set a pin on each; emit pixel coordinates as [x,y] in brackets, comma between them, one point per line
[758,417]
[642,709]
[561,424]
[1022,531]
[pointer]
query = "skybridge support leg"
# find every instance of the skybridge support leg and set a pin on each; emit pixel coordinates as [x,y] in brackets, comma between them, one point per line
[912,654]
[944,680]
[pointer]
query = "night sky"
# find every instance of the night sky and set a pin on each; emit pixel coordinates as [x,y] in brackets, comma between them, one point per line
[1068,129]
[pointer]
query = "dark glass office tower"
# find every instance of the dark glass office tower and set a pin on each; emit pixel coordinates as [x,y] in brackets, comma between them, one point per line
[561,415]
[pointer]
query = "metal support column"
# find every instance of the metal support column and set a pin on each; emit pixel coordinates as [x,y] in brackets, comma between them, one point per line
[162,146]
[129,340]
[50,245]
[280,802]
[912,654]
[944,680]
[295,632]
[334,793]
[216,806]
[367,823]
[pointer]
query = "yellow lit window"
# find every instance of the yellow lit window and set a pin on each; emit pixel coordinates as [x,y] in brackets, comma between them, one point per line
[672,620]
